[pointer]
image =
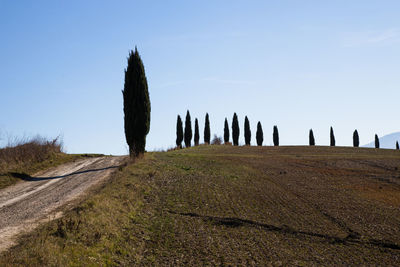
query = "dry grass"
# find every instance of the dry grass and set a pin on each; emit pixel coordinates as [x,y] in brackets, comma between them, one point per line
[224,205]
[27,156]
[26,152]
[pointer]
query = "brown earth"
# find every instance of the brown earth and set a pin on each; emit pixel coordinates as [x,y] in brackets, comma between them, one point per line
[232,206]
[37,198]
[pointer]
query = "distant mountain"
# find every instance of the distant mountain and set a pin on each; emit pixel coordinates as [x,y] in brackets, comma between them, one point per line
[387,141]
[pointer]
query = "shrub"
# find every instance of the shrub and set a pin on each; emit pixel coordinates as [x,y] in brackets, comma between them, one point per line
[275,136]
[216,140]
[188,130]
[196,132]
[207,134]
[376,141]
[226,131]
[179,132]
[332,135]
[19,153]
[247,131]
[136,105]
[311,138]
[235,130]
[259,134]
[356,139]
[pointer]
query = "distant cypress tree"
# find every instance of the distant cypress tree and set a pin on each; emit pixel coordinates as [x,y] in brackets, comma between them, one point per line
[207,134]
[311,138]
[196,132]
[179,132]
[356,139]
[188,130]
[333,142]
[376,141]
[275,136]
[226,131]
[235,130]
[136,105]
[259,134]
[397,145]
[247,131]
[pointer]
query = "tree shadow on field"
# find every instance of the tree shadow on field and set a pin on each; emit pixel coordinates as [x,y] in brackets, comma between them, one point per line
[27,177]
[351,238]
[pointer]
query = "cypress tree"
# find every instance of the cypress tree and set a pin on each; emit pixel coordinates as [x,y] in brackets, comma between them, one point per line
[137,106]
[397,145]
[376,141]
[207,133]
[196,132]
[275,136]
[226,131]
[235,130]
[247,131]
[333,142]
[179,132]
[311,138]
[259,134]
[356,139]
[188,130]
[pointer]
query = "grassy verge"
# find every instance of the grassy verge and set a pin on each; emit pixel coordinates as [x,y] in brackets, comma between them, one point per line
[10,176]
[221,205]
[23,157]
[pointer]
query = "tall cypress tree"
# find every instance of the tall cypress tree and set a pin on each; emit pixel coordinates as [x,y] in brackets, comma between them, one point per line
[247,131]
[235,130]
[226,131]
[137,106]
[333,142]
[188,130]
[397,145]
[356,139]
[311,138]
[259,134]
[376,141]
[275,136]
[207,132]
[196,132]
[179,132]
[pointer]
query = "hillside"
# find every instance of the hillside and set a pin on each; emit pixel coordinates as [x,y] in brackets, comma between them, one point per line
[387,141]
[223,205]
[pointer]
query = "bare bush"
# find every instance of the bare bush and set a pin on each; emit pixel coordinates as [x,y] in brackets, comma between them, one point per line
[216,140]
[20,152]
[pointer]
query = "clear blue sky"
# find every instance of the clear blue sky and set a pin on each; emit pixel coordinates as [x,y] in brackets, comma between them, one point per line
[296,64]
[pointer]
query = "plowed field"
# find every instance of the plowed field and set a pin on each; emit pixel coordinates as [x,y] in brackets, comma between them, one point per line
[223,205]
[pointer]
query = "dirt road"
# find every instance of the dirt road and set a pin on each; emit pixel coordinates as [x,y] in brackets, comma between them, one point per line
[36,199]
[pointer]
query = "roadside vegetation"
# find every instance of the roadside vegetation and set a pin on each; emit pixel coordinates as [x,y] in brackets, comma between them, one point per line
[29,156]
[226,205]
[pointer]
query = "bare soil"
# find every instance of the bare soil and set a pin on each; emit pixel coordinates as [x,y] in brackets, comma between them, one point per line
[26,204]
[232,206]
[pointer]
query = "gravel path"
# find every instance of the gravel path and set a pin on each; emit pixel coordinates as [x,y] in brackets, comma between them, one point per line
[25,205]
